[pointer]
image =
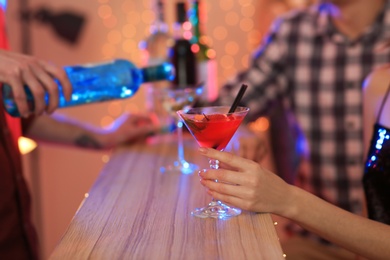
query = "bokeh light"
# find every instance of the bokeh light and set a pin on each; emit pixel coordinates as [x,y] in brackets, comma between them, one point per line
[226,5]
[232,48]
[133,18]
[104,11]
[232,18]
[246,24]
[248,10]
[129,46]
[233,29]
[220,33]
[129,31]
[110,22]
[114,37]
[108,50]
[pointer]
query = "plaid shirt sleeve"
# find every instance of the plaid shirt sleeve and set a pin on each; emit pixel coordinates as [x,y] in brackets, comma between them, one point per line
[265,78]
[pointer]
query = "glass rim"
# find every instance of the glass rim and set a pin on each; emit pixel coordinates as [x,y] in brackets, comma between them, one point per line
[243,109]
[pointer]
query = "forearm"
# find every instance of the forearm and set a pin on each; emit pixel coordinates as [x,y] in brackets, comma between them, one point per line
[64,131]
[355,233]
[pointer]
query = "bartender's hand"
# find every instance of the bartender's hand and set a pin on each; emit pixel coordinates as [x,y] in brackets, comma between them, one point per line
[17,70]
[250,145]
[129,128]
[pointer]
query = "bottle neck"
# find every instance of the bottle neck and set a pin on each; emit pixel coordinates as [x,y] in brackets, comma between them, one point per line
[199,39]
[164,71]
[195,21]
[159,24]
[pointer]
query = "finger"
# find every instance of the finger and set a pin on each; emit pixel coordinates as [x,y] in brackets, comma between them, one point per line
[227,193]
[223,188]
[19,96]
[50,87]
[37,90]
[60,74]
[230,200]
[224,176]
[225,157]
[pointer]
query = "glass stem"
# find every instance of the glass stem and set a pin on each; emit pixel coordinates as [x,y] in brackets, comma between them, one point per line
[180,149]
[214,164]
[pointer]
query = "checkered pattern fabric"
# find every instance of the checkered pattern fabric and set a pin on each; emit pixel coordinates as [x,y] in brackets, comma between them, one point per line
[318,72]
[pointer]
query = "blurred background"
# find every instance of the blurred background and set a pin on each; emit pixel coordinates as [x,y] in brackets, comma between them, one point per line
[69,32]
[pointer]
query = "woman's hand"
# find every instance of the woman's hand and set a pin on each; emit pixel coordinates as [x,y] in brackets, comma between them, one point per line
[245,184]
[18,70]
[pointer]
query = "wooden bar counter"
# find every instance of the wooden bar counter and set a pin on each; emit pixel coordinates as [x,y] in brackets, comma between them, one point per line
[135,212]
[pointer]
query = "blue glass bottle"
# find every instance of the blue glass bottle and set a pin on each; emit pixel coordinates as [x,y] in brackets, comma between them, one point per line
[94,83]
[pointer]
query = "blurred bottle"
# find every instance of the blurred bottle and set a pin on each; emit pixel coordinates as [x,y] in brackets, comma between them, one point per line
[155,51]
[205,55]
[157,45]
[181,54]
[92,83]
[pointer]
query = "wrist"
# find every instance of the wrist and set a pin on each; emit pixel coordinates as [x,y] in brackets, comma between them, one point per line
[292,205]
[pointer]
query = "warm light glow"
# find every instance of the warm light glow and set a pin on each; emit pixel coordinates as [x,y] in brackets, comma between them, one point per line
[129,46]
[248,10]
[110,22]
[204,40]
[128,6]
[114,37]
[232,48]
[254,37]
[246,24]
[227,61]
[232,18]
[104,11]
[129,31]
[211,54]
[147,16]
[108,50]
[195,48]
[245,2]
[133,18]
[260,125]
[26,145]
[245,60]
[226,4]
[220,33]
[105,158]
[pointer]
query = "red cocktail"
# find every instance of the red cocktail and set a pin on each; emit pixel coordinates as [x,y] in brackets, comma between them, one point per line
[213,127]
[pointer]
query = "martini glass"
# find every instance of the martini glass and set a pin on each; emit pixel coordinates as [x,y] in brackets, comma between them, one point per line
[213,127]
[173,100]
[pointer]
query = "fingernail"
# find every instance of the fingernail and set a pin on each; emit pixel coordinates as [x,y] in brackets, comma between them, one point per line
[202,172]
[202,150]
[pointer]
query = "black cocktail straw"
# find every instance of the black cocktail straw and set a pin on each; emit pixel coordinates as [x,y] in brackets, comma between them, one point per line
[238,98]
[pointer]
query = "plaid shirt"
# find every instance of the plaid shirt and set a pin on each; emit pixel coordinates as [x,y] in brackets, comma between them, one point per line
[318,73]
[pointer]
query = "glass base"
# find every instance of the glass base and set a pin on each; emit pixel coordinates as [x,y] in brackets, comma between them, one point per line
[216,209]
[182,167]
